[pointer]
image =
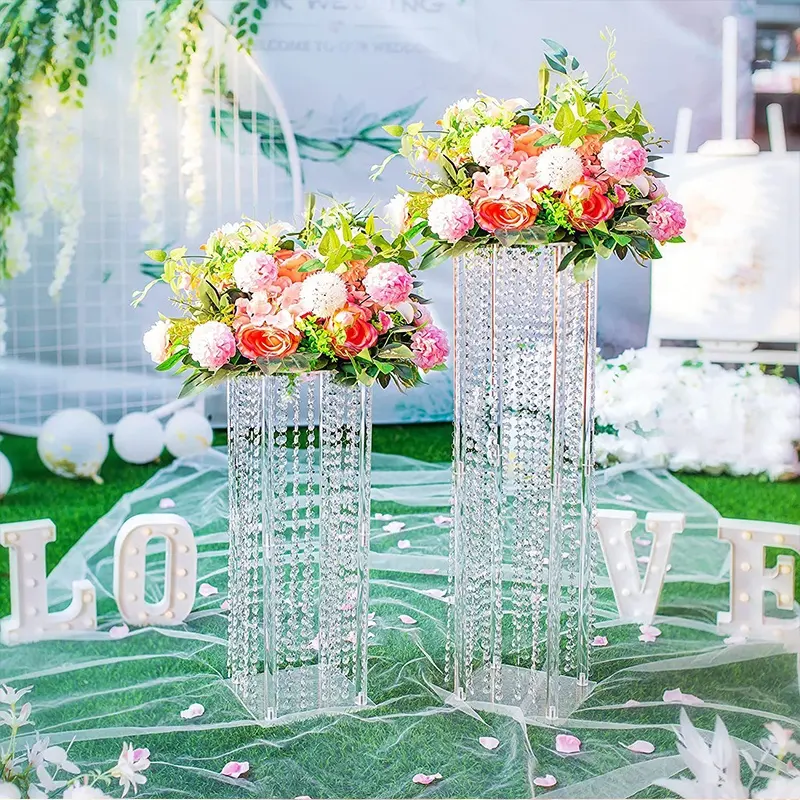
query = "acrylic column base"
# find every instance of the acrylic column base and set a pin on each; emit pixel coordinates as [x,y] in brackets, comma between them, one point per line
[523,493]
[299,543]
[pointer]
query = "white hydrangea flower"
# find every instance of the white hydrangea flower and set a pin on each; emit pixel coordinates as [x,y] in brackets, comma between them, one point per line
[323,293]
[559,167]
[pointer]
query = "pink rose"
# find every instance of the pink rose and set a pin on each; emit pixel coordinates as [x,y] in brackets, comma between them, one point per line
[268,342]
[384,321]
[505,215]
[666,219]
[352,331]
[621,195]
[430,347]
[388,284]
[623,158]
[658,190]
[589,204]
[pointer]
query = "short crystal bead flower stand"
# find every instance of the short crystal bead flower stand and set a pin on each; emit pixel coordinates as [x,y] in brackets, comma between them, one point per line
[299,543]
[522,553]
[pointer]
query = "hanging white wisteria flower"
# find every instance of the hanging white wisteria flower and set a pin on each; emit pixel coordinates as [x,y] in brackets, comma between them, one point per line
[191,139]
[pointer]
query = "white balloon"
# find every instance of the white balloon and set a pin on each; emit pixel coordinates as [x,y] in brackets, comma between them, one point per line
[73,444]
[6,476]
[138,438]
[188,433]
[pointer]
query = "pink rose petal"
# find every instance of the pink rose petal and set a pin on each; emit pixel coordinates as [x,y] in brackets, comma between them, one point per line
[640,746]
[648,633]
[443,520]
[166,502]
[225,605]
[624,498]
[424,779]
[545,781]
[643,559]
[403,544]
[206,590]
[631,704]
[599,641]
[489,742]
[314,643]
[677,696]
[641,541]
[428,571]
[119,631]
[194,710]
[567,744]
[384,516]
[436,594]
[406,620]
[394,527]
[235,769]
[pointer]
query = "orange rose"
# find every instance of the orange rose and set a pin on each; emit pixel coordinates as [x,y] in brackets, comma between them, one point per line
[526,136]
[592,144]
[266,342]
[505,215]
[589,206]
[356,271]
[289,263]
[359,333]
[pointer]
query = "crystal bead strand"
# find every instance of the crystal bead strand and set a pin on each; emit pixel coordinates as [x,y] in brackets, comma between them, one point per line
[310,538]
[362,560]
[292,604]
[588,566]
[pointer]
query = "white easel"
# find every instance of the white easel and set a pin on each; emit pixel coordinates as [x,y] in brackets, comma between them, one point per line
[724,345]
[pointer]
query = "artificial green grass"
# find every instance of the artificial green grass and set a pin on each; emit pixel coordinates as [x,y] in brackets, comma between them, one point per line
[75,505]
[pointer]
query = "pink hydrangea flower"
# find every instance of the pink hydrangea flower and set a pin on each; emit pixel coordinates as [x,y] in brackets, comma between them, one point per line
[490,145]
[666,219]
[623,158]
[211,344]
[451,217]
[388,284]
[430,347]
[255,271]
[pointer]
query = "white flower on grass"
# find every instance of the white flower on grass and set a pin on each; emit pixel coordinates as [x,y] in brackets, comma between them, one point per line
[716,769]
[156,340]
[323,293]
[9,696]
[396,213]
[132,762]
[559,167]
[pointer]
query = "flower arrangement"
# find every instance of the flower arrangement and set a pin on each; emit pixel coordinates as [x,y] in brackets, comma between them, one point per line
[35,773]
[337,295]
[576,169]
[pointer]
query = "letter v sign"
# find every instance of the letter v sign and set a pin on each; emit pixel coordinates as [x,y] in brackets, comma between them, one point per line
[637,600]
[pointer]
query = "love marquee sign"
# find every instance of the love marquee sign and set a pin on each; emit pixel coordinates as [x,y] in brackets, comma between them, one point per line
[637,597]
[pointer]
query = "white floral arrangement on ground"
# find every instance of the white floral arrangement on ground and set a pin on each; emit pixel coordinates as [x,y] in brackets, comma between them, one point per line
[34,772]
[716,770]
[655,407]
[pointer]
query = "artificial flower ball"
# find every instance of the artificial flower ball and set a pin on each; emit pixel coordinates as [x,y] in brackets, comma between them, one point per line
[6,476]
[188,433]
[138,438]
[559,167]
[324,293]
[73,443]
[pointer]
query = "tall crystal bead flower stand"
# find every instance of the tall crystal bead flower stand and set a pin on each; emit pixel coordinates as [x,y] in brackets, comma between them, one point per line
[522,550]
[298,574]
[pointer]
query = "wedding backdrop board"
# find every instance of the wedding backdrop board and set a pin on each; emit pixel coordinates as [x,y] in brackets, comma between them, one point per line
[84,348]
[736,280]
[99,690]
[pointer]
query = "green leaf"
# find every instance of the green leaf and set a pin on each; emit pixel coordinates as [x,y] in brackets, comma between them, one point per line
[395,352]
[676,240]
[557,48]
[564,118]
[548,139]
[415,128]
[544,81]
[329,242]
[157,255]
[584,269]
[311,266]
[554,65]
[394,130]
[167,365]
[84,48]
[632,224]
